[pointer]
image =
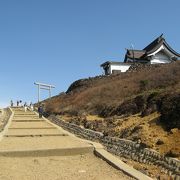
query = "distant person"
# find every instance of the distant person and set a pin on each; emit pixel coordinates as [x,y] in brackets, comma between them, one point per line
[20,103]
[31,107]
[40,111]
[25,106]
[17,103]
[11,103]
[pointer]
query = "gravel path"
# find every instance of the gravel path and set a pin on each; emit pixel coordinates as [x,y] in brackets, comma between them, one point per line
[79,167]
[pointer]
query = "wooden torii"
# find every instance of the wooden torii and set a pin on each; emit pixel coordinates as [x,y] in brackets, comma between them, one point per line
[45,87]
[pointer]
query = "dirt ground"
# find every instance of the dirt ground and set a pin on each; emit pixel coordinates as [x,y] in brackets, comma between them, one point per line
[79,167]
[150,170]
[149,130]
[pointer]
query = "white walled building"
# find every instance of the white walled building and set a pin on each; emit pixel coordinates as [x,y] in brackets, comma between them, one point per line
[156,52]
[111,67]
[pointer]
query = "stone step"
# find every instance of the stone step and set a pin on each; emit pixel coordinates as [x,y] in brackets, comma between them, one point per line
[23,112]
[26,115]
[32,132]
[18,109]
[42,146]
[25,118]
[32,128]
[29,120]
[48,152]
[35,135]
[19,114]
[27,124]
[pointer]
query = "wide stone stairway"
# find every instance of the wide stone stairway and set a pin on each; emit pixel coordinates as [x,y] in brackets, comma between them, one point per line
[29,134]
[32,148]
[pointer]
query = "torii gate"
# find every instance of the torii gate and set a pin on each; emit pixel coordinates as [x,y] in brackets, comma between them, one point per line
[45,87]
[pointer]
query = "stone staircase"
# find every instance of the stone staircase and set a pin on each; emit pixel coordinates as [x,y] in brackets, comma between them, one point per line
[33,148]
[29,135]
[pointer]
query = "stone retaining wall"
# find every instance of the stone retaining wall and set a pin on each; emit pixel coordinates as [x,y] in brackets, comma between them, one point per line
[4,118]
[123,147]
[148,67]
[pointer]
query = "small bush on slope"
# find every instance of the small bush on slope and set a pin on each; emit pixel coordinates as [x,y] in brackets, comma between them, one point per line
[170,111]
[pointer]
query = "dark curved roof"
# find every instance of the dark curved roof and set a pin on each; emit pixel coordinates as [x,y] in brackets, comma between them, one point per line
[152,47]
[157,43]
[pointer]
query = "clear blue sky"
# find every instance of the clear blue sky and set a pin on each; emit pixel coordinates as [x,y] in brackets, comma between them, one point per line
[60,41]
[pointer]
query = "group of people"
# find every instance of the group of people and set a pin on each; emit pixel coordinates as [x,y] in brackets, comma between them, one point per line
[30,107]
[20,104]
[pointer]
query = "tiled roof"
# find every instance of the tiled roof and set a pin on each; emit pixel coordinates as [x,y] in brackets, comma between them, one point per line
[135,53]
[152,47]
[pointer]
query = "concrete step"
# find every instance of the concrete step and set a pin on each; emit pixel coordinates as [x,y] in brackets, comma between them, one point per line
[35,135]
[19,114]
[23,112]
[30,124]
[26,115]
[47,152]
[32,132]
[26,118]
[32,128]
[29,120]
[43,146]
[17,109]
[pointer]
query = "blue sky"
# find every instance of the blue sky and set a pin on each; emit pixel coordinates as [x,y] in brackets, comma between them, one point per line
[60,41]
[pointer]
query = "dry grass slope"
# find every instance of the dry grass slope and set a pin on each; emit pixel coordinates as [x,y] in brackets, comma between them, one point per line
[143,104]
[96,93]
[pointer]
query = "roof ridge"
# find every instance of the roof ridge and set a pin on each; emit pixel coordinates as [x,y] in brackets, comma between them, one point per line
[157,40]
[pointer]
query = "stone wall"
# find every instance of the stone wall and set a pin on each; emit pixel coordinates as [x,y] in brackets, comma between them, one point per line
[123,147]
[148,67]
[4,118]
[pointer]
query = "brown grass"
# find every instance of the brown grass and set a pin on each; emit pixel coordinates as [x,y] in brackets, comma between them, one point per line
[113,90]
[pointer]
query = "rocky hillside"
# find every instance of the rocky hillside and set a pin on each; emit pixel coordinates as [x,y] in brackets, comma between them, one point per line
[147,95]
